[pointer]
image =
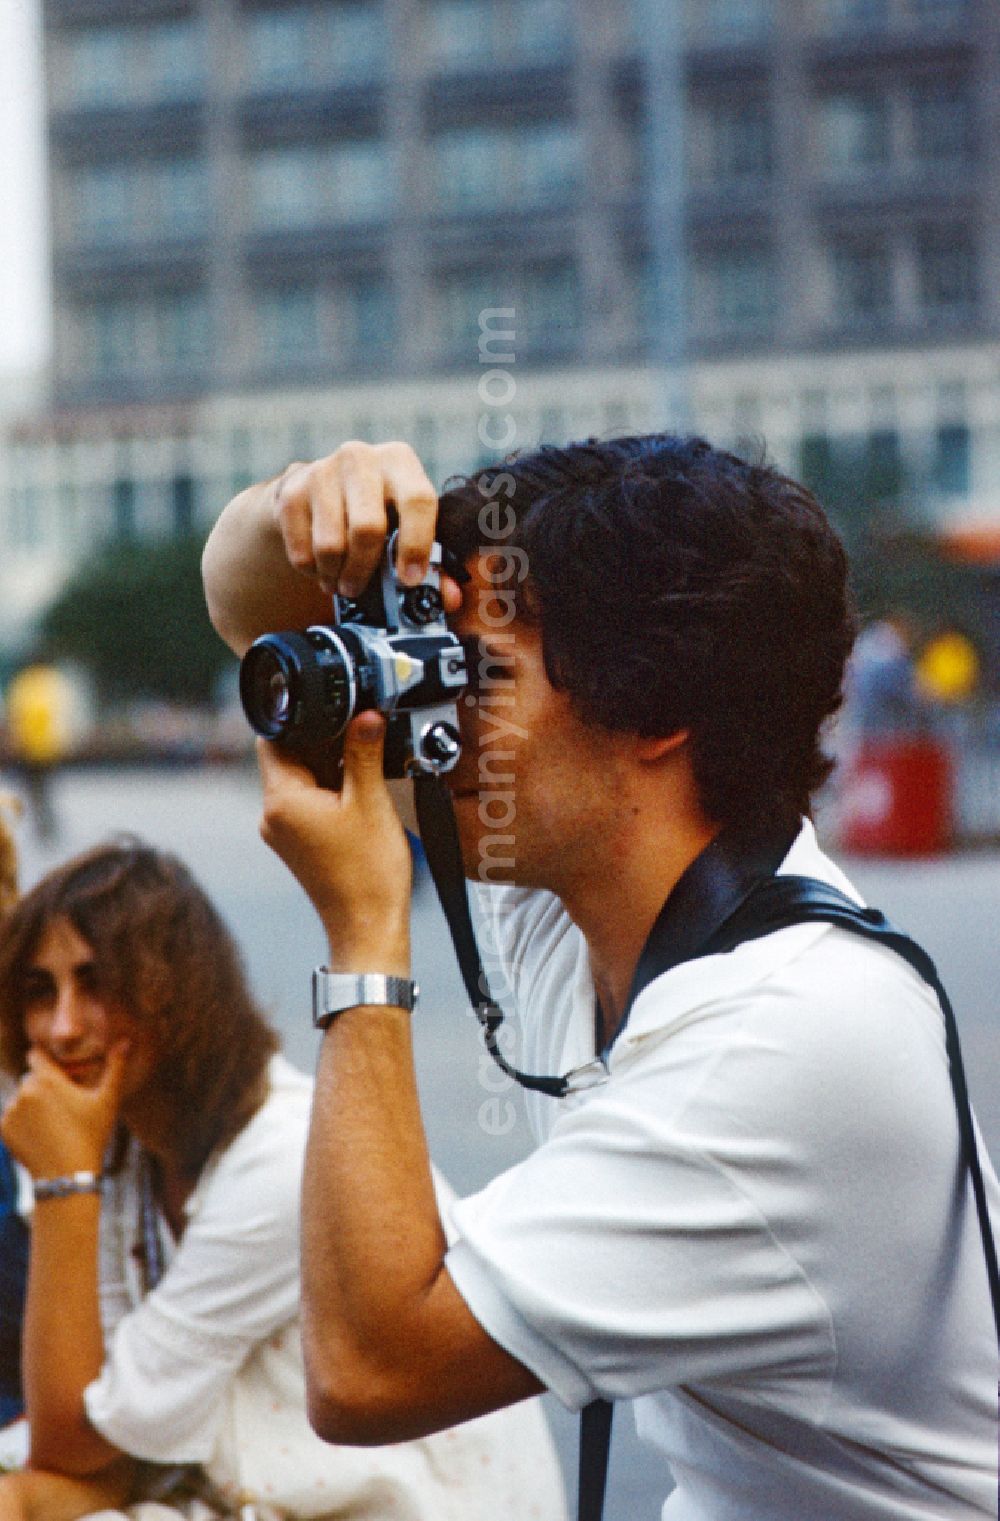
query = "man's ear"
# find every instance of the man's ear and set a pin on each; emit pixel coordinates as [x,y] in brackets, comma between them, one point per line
[654,748]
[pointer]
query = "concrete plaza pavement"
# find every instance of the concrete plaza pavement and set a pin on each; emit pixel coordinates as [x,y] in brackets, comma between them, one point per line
[210,817]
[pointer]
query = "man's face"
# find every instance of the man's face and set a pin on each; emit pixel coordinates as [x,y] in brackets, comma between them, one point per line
[534,782]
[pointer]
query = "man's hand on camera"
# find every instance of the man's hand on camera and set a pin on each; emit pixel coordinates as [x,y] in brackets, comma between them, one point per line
[332,514]
[347,849]
[281,548]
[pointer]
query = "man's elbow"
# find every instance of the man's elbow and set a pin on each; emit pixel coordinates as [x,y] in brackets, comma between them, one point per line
[215,602]
[365,1410]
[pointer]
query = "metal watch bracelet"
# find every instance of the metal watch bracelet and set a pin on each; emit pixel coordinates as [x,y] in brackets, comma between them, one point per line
[333,992]
[63,1188]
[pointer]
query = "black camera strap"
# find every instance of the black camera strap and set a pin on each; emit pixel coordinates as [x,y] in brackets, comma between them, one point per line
[729,894]
[439,836]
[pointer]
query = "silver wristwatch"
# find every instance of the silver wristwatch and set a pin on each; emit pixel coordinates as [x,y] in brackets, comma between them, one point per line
[333,992]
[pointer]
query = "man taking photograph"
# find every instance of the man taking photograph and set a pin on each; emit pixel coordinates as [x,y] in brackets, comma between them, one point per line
[747,1214]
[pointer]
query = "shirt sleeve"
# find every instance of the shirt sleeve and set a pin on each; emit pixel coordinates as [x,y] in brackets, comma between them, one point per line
[632,1251]
[233,1281]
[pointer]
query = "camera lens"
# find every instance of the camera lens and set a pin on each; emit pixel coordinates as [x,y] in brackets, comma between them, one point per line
[299,686]
[270,692]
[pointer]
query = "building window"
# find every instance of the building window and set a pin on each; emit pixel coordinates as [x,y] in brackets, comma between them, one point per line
[862,281]
[462,296]
[853,132]
[941,123]
[549,300]
[123,507]
[952,465]
[174,54]
[852,15]
[545,296]
[314,45]
[360,181]
[640,292]
[94,65]
[477,33]
[725,21]
[307,186]
[475,168]
[734,291]
[123,203]
[731,142]
[102,200]
[365,319]
[179,323]
[111,340]
[284,185]
[882,472]
[134,64]
[177,198]
[937,11]
[459,32]
[304,323]
[946,271]
[279,47]
[182,503]
[129,337]
[468,169]
[289,323]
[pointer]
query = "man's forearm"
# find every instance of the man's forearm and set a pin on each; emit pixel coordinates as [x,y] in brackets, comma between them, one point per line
[373,1244]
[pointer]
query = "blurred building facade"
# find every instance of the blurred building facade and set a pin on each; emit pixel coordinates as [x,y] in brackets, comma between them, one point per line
[280,223]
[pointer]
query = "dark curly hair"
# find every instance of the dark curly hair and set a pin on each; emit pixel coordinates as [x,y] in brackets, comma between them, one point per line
[678,586]
[164,955]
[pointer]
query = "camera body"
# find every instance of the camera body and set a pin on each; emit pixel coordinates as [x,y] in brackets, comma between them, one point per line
[391,650]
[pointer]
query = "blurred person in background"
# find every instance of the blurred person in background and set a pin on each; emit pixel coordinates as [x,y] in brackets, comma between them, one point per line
[164,1137]
[39,711]
[882,694]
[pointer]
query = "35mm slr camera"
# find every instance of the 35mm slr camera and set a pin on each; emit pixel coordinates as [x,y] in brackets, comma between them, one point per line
[390,650]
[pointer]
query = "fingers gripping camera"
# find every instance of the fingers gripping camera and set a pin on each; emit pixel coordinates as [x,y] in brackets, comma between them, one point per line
[391,650]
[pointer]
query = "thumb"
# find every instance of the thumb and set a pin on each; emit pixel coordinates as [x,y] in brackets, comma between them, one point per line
[364,744]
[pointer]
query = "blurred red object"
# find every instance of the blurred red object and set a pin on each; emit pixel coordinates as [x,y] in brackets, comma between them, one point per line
[972,542]
[897,798]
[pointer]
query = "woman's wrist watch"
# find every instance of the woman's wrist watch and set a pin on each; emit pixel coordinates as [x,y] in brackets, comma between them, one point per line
[333,992]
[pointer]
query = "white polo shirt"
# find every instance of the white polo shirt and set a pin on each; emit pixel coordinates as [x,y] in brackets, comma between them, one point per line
[752,1228]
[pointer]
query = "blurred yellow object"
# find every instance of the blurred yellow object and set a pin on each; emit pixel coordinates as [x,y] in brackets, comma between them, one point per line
[39,709]
[948,669]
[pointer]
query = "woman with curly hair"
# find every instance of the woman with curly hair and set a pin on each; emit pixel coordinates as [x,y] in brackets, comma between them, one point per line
[164,1136]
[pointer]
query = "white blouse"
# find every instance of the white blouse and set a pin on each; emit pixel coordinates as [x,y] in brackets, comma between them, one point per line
[207,1367]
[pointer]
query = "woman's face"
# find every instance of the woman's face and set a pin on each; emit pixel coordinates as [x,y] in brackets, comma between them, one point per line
[68,1015]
